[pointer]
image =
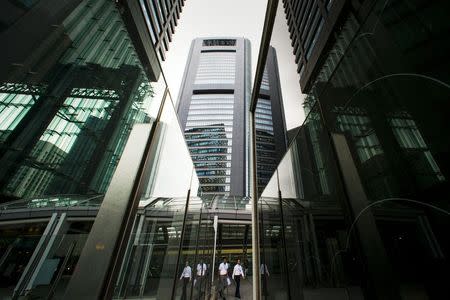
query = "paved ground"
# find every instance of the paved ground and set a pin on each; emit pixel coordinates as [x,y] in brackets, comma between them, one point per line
[246,290]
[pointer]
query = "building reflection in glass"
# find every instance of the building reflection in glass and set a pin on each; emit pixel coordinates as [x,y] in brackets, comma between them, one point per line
[65,123]
[378,83]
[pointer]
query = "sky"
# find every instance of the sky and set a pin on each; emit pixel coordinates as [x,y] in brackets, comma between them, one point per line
[234,18]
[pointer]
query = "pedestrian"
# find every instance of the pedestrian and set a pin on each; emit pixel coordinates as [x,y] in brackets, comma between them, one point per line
[186,276]
[201,275]
[223,276]
[246,266]
[265,276]
[238,272]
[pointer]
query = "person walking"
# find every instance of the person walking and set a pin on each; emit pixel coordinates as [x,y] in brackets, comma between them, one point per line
[223,276]
[186,276]
[265,277]
[238,272]
[201,274]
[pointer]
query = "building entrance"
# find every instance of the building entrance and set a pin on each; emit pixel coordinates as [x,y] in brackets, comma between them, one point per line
[174,252]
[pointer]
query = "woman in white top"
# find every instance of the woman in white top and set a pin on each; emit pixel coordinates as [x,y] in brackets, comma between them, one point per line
[238,272]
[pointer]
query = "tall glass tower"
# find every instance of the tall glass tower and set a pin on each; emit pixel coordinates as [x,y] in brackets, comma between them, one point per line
[270,124]
[212,109]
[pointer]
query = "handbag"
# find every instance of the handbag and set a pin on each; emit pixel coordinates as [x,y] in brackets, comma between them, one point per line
[228,281]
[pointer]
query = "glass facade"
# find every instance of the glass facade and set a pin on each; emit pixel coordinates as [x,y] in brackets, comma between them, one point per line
[71,90]
[75,113]
[209,137]
[106,192]
[269,122]
[161,17]
[358,205]
[212,109]
[216,68]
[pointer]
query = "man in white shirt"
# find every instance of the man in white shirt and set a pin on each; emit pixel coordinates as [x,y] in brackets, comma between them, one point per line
[223,275]
[238,272]
[186,276]
[201,274]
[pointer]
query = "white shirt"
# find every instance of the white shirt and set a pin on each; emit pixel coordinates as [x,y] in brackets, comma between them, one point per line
[238,271]
[223,269]
[201,270]
[187,272]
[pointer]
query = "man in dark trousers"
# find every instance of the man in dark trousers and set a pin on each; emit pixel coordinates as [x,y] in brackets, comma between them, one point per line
[238,272]
[223,276]
[186,276]
[201,278]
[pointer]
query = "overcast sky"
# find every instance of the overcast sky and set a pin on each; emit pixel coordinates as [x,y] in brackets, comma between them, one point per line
[236,18]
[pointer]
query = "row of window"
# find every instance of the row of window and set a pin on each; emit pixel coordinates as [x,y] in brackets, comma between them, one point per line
[263,116]
[212,164]
[209,123]
[195,111]
[221,150]
[216,68]
[212,96]
[264,103]
[13,108]
[193,136]
[263,122]
[223,172]
[207,107]
[209,157]
[211,117]
[264,127]
[209,143]
[265,80]
[202,129]
[214,81]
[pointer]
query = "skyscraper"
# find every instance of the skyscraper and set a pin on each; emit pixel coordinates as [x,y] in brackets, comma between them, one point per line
[213,108]
[76,78]
[311,25]
[370,152]
[76,84]
[270,127]
[161,17]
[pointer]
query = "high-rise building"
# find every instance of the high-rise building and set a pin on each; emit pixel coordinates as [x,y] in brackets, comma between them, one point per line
[270,126]
[82,89]
[161,17]
[311,25]
[356,209]
[212,109]
[76,79]
[362,187]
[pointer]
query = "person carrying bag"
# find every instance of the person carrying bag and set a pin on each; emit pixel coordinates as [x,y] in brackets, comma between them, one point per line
[223,277]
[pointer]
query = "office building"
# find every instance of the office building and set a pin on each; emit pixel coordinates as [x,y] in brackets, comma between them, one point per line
[75,79]
[270,127]
[79,93]
[358,207]
[311,26]
[161,17]
[360,193]
[212,108]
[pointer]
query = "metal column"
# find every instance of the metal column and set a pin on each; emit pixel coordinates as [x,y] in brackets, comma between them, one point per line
[94,274]
[383,285]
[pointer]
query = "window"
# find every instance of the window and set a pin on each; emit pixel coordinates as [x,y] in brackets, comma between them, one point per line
[313,43]
[265,80]
[216,68]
